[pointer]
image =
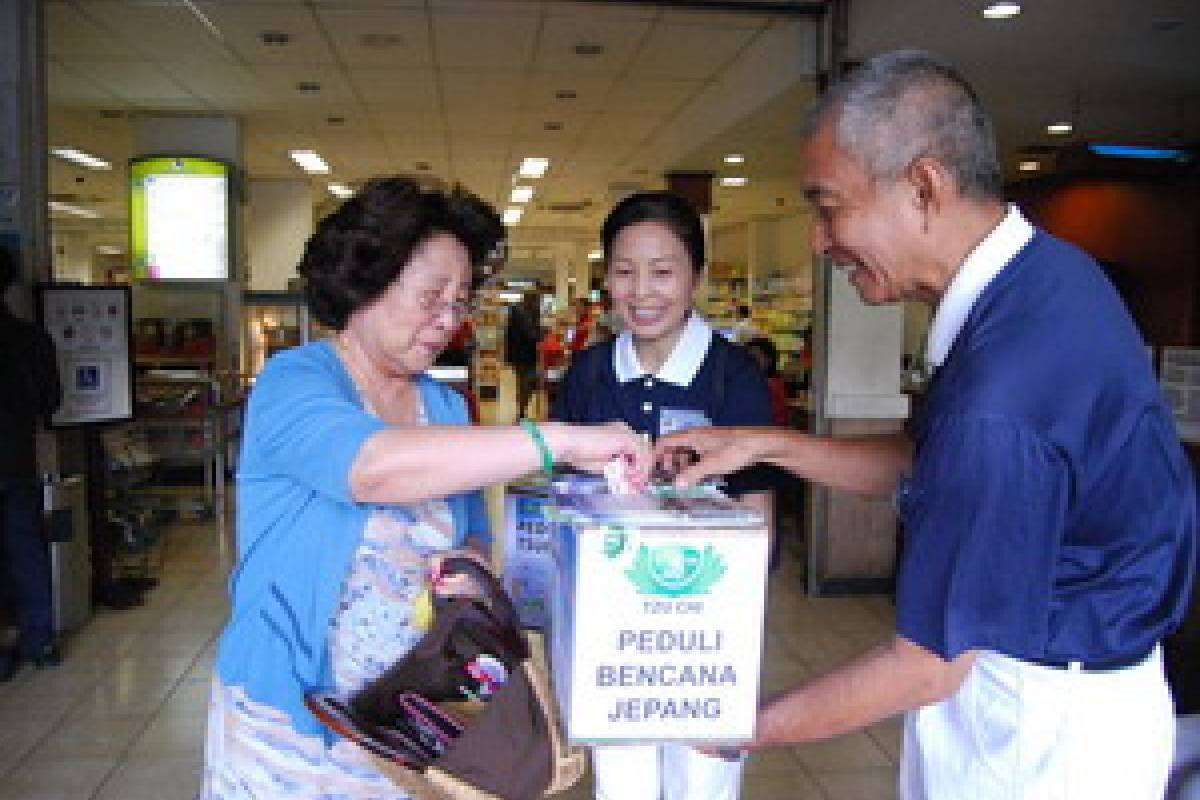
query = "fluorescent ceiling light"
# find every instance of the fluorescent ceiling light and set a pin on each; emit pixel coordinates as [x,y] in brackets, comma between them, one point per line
[509,297]
[340,190]
[309,161]
[520,283]
[733,180]
[533,167]
[1135,151]
[735,158]
[1029,166]
[1059,128]
[595,255]
[512,215]
[109,250]
[1002,10]
[521,194]
[79,157]
[76,211]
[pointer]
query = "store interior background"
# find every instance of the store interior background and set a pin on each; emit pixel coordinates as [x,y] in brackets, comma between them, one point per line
[618,96]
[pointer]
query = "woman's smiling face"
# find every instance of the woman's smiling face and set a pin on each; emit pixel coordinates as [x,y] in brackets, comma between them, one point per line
[651,279]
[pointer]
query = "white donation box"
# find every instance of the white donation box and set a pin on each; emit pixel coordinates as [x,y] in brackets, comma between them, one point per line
[657,617]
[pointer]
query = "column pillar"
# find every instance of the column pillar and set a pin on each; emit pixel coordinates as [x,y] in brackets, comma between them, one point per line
[762,252]
[24,228]
[856,391]
[279,220]
[696,186]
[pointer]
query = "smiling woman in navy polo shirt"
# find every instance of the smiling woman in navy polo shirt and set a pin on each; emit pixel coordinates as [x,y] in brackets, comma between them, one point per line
[665,372]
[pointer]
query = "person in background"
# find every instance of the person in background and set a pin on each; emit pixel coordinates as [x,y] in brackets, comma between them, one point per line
[767,357]
[666,371]
[29,375]
[552,359]
[744,328]
[521,336]
[585,322]
[1049,509]
[358,474]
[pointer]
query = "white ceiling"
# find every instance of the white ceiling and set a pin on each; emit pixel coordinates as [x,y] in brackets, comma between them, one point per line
[467,86]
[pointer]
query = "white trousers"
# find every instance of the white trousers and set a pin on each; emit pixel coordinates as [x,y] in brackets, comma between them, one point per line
[1018,731]
[663,772]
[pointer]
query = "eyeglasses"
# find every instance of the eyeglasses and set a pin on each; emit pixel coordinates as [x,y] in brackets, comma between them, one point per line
[431,303]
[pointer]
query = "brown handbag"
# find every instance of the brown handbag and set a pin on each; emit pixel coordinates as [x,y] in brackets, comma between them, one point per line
[510,747]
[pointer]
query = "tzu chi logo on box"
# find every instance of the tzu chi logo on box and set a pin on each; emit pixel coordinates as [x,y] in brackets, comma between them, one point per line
[675,570]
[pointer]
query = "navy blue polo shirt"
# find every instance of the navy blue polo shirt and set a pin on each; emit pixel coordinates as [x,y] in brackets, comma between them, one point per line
[727,388]
[1051,510]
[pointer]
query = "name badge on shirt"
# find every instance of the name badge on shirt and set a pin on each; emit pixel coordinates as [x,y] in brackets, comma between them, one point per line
[679,419]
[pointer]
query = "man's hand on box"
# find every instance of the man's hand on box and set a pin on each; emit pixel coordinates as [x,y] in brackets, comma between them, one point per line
[702,452]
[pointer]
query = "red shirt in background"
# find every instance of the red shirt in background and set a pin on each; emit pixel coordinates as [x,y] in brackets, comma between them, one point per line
[780,413]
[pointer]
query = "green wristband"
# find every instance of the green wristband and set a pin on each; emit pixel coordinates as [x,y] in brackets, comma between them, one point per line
[544,449]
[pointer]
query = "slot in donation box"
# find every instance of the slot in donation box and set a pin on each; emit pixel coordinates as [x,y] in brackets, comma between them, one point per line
[656,621]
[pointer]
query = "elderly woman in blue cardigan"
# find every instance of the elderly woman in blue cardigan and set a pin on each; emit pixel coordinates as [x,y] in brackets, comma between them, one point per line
[357,470]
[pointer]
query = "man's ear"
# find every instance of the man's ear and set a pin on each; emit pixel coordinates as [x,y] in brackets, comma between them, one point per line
[933,185]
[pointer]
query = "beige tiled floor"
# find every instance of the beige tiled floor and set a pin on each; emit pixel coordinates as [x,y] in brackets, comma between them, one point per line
[123,717]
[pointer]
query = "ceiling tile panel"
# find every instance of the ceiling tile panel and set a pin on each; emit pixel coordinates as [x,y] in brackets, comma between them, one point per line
[590,92]
[378,37]
[280,81]
[64,85]
[133,81]
[560,36]
[228,86]
[405,90]
[617,127]
[409,123]
[75,35]
[480,147]
[689,51]
[241,24]
[503,41]
[162,31]
[644,96]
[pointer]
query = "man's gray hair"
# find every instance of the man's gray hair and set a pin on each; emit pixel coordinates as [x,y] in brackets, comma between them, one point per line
[907,104]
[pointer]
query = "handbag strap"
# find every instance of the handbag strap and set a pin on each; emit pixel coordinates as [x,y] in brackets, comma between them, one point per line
[495,598]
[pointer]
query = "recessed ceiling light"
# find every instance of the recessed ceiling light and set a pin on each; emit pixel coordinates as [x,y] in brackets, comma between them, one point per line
[521,194]
[735,158]
[1029,166]
[308,87]
[512,215]
[533,167]
[589,49]
[275,38]
[109,250]
[76,211]
[733,180]
[309,161]
[595,255]
[1002,10]
[1059,128]
[79,157]
[340,190]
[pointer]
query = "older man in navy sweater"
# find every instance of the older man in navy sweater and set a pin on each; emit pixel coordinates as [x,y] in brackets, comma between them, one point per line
[1048,506]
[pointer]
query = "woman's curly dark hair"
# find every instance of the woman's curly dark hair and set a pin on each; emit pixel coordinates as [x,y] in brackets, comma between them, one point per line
[360,249]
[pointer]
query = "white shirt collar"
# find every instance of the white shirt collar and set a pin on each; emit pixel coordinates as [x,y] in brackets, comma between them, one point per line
[978,269]
[681,366]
